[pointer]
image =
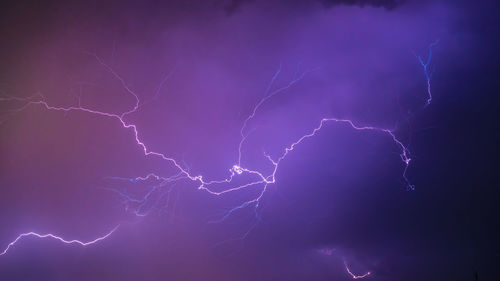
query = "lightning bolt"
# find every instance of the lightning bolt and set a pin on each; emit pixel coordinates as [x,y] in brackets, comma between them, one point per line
[426,65]
[329,252]
[52,236]
[260,179]
[354,276]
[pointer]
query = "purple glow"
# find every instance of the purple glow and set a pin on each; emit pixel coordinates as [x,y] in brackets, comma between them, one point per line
[243,140]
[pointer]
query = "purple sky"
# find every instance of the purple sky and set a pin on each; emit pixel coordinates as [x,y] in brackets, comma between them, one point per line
[199,68]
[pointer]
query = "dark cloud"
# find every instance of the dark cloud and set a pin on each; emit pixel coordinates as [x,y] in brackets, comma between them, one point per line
[388,4]
[235,5]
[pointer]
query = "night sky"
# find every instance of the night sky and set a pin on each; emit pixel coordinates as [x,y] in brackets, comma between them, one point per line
[338,205]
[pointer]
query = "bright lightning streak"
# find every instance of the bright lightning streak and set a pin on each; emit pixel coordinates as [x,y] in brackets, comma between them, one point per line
[404,150]
[236,170]
[52,236]
[354,276]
